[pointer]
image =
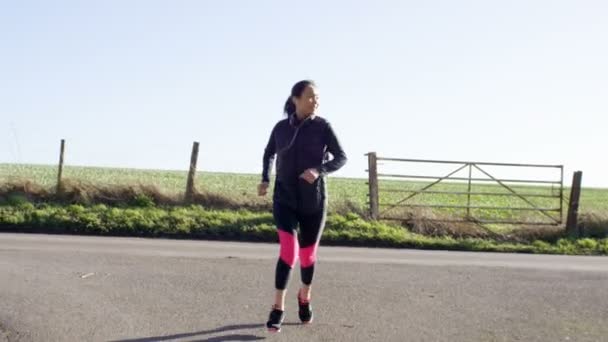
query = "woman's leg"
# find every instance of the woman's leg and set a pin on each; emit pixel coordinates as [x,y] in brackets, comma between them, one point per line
[287,222]
[288,254]
[311,229]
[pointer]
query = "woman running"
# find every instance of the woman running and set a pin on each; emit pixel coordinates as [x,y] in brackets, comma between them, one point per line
[301,143]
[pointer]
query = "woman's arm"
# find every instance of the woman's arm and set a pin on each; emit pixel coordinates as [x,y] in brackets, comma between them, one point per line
[268,159]
[335,148]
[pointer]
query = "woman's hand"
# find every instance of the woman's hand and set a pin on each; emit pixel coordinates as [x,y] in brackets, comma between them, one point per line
[310,175]
[263,189]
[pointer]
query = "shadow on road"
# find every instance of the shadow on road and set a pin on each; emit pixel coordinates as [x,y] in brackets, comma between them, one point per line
[228,328]
[232,338]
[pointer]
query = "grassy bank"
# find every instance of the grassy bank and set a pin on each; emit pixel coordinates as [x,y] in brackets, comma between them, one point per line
[241,188]
[197,222]
[150,203]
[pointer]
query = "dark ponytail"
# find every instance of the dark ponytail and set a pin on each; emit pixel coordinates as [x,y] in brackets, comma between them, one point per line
[296,91]
[289,107]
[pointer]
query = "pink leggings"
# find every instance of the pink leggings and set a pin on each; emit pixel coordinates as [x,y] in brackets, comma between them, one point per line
[293,245]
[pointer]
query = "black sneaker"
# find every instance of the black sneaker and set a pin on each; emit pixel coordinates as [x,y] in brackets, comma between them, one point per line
[275,320]
[305,311]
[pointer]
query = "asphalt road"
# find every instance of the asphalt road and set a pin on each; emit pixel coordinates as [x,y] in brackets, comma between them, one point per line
[72,288]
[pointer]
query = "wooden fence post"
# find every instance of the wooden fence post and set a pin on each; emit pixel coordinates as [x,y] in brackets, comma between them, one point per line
[192,172]
[575,193]
[373,185]
[60,171]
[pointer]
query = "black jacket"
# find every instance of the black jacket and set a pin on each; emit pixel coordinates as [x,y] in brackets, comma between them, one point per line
[300,145]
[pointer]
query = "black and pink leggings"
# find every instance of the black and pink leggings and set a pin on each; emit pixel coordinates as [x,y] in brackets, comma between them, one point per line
[293,245]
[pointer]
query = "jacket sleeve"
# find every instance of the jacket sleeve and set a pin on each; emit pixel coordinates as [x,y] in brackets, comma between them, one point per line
[269,155]
[335,148]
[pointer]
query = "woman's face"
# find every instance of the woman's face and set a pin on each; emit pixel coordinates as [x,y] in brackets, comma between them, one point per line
[308,102]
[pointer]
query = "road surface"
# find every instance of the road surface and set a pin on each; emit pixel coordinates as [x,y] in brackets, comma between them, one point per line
[74,288]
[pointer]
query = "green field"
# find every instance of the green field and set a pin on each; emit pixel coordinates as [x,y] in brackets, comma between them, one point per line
[242,188]
[237,219]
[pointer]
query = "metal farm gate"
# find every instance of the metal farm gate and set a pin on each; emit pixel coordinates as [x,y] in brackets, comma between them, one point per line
[391,198]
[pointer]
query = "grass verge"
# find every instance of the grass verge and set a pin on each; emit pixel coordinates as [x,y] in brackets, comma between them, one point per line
[198,222]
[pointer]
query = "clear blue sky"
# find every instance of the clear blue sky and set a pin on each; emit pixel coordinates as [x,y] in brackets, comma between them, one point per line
[133,83]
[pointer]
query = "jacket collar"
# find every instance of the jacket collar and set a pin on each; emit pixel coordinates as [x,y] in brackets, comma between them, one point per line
[294,121]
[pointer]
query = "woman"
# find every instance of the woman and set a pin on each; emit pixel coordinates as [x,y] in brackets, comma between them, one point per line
[301,143]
